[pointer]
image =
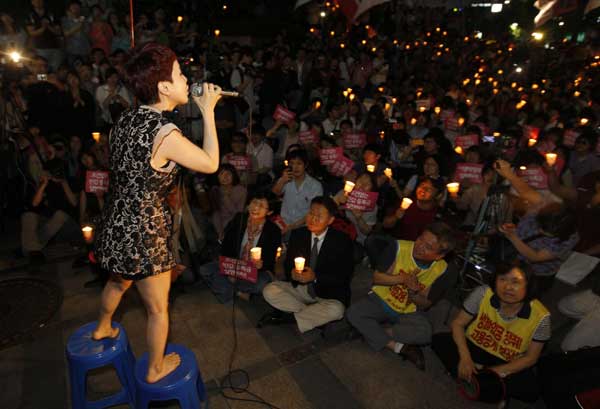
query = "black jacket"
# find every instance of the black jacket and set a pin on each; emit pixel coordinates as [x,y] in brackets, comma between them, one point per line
[335,264]
[269,240]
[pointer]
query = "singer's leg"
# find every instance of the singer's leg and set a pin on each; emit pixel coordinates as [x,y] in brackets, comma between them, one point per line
[111,297]
[155,293]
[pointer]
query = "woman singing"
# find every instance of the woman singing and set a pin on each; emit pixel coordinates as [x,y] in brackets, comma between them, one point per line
[145,151]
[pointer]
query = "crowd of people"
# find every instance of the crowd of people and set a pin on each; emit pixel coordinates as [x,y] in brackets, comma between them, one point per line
[380,144]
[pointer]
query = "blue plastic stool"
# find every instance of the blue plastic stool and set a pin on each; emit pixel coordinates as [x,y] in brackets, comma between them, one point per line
[85,353]
[184,384]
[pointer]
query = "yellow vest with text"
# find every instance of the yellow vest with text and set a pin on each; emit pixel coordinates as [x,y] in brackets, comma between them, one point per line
[505,339]
[396,296]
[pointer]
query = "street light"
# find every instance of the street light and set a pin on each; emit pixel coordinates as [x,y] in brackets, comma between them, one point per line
[15,56]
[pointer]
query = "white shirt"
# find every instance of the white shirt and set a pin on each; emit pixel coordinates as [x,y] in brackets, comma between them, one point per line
[262,154]
[296,199]
[321,238]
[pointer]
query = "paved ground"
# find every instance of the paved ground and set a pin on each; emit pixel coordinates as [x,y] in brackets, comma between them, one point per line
[289,370]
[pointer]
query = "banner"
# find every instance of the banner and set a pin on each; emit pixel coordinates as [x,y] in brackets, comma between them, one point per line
[354,8]
[354,140]
[361,200]
[470,172]
[283,114]
[329,156]
[535,177]
[466,141]
[341,167]
[309,136]
[240,269]
[96,181]
[240,162]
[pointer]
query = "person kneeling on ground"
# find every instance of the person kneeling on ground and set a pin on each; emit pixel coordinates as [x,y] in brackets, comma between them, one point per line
[501,328]
[319,293]
[415,280]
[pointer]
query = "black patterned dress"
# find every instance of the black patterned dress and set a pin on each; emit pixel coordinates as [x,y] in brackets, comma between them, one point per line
[135,239]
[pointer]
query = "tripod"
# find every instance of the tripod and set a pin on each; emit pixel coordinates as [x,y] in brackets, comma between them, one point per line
[492,213]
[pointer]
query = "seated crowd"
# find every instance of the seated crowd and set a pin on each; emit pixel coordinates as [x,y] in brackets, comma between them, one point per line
[345,158]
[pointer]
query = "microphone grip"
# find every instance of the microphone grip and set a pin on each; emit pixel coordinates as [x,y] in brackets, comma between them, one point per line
[197,91]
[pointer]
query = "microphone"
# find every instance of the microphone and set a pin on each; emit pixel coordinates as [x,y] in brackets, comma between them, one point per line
[197,90]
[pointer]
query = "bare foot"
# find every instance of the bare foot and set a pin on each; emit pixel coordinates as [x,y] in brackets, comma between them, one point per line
[169,363]
[108,332]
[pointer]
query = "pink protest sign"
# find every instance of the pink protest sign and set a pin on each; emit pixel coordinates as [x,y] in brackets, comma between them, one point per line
[570,137]
[283,114]
[354,140]
[362,200]
[466,141]
[469,172]
[329,156]
[341,167]
[278,220]
[309,136]
[241,269]
[96,181]
[535,177]
[239,162]
[451,124]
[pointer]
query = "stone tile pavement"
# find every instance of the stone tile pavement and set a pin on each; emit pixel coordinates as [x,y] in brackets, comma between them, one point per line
[289,370]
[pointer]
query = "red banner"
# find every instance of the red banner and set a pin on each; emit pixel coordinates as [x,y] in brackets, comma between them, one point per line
[309,136]
[341,167]
[354,140]
[469,172]
[283,114]
[240,162]
[96,181]
[570,137]
[466,141]
[361,200]
[535,177]
[329,156]
[240,269]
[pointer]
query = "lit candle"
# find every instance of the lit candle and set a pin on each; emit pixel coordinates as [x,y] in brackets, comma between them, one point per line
[460,121]
[458,150]
[179,19]
[348,186]
[285,163]
[406,202]
[531,142]
[584,121]
[255,253]
[278,253]
[437,110]
[371,168]
[88,233]
[551,158]
[522,167]
[453,188]
[388,172]
[96,136]
[299,263]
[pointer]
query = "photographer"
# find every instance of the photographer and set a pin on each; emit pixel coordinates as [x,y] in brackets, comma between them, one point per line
[112,97]
[51,206]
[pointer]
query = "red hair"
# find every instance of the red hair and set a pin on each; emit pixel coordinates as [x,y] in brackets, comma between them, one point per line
[146,67]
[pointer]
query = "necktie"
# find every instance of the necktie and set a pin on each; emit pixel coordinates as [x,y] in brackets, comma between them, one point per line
[314,253]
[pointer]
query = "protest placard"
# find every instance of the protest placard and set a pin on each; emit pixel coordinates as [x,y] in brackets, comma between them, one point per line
[535,177]
[361,200]
[240,269]
[309,136]
[96,181]
[341,167]
[239,162]
[283,114]
[470,172]
[329,156]
[354,140]
[466,141]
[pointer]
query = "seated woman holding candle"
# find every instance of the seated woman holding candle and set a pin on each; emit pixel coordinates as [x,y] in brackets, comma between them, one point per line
[247,231]
[430,167]
[363,221]
[501,328]
[226,199]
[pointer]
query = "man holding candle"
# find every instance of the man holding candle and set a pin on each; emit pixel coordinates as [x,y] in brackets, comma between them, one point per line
[410,277]
[320,291]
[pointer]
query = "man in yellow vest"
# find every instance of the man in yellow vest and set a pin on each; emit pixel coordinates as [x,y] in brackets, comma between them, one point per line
[417,277]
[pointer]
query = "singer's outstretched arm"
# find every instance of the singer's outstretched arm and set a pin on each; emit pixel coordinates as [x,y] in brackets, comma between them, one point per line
[178,148]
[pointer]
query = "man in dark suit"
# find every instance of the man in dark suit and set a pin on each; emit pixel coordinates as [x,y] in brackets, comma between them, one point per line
[321,291]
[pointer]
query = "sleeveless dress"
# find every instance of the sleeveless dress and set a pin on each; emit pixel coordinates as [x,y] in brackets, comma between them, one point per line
[135,239]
